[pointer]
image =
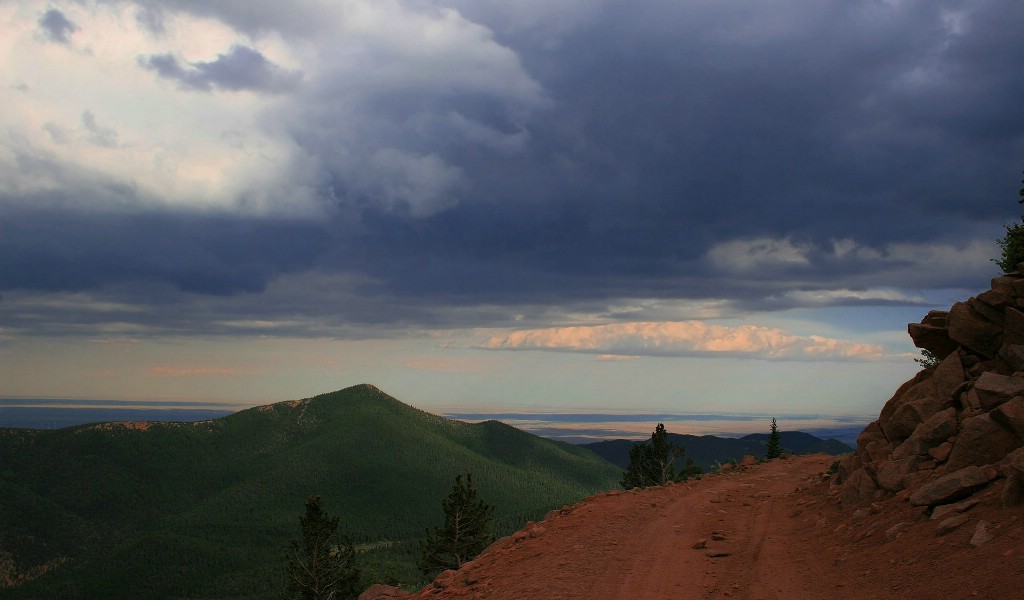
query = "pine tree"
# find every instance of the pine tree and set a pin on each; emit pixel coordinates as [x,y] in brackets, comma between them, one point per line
[654,463]
[317,569]
[1011,245]
[774,447]
[465,534]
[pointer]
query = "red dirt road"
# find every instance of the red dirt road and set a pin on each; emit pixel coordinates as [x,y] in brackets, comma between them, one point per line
[770,532]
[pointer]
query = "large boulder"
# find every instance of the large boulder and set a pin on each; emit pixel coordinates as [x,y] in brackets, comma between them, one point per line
[932,334]
[982,441]
[1010,415]
[872,441]
[950,487]
[990,305]
[973,330]
[1013,354]
[857,487]
[1013,326]
[1013,470]
[949,376]
[891,473]
[936,430]
[993,389]
[908,416]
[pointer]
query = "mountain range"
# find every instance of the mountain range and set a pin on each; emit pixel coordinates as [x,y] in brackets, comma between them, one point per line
[205,510]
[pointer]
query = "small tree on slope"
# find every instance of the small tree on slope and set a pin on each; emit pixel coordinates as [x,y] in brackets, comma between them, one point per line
[1011,245]
[774,447]
[653,463]
[465,534]
[317,569]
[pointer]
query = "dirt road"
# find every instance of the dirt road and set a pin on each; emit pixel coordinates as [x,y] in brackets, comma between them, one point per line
[769,532]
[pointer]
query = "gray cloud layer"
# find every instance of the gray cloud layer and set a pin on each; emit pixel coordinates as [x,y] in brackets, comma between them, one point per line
[56,26]
[675,150]
[241,68]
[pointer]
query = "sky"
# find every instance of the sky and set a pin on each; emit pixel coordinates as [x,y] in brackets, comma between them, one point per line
[684,207]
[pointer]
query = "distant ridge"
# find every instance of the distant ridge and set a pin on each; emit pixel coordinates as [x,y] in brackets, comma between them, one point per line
[204,510]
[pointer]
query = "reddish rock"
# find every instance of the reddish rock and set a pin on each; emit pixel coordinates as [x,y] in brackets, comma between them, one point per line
[973,331]
[908,416]
[949,376]
[950,487]
[981,534]
[914,480]
[1013,328]
[890,474]
[989,312]
[996,299]
[1006,284]
[929,434]
[857,487]
[993,389]
[904,394]
[951,524]
[1013,354]
[969,399]
[982,441]
[1013,487]
[932,334]
[380,591]
[894,532]
[873,442]
[963,506]
[1011,416]
[941,452]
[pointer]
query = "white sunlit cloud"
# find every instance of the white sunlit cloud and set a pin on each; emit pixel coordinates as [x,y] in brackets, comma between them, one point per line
[208,110]
[685,338]
[386,53]
[85,109]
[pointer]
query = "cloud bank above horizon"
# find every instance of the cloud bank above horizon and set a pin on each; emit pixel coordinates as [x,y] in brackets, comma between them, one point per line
[663,179]
[686,338]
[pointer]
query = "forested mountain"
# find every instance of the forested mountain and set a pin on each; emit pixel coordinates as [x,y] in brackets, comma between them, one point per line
[707,450]
[205,510]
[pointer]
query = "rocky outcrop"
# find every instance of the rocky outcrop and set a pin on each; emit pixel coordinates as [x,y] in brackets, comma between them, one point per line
[954,427]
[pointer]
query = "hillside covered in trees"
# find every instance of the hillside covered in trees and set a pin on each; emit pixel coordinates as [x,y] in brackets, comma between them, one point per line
[206,510]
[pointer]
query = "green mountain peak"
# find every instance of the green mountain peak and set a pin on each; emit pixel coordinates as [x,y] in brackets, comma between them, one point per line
[205,510]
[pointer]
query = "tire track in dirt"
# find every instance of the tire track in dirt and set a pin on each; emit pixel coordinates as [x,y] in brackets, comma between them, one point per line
[639,545]
[783,535]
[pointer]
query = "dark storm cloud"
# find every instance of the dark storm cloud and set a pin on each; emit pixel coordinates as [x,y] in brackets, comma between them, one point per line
[70,250]
[242,68]
[763,153]
[676,126]
[56,26]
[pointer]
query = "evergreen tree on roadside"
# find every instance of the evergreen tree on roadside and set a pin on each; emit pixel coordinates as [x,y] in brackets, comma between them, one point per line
[318,569]
[465,534]
[1011,245]
[774,447]
[654,463]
